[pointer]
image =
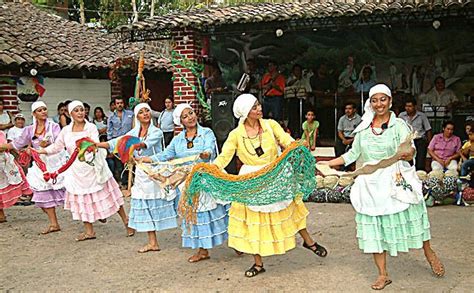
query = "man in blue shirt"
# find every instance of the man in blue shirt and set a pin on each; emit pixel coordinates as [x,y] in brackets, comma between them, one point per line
[119,124]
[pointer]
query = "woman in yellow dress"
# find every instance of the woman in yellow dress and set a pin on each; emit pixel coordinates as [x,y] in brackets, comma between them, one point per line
[269,229]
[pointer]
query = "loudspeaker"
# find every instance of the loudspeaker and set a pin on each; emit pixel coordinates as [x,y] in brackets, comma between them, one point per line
[222,115]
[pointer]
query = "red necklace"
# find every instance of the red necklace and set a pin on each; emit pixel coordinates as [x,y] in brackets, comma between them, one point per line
[384,126]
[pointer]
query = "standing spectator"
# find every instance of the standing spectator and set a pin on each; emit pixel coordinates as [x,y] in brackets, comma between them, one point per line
[87,109]
[100,122]
[215,83]
[111,109]
[297,88]
[65,119]
[5,119]
[439,95]
[15,131]
[365,82]
[444,148]
[346,125]
[310,130]
[117,125]
[321,83]
[273,86]
[419,122]
[61,110]
[165,121]
[253,86]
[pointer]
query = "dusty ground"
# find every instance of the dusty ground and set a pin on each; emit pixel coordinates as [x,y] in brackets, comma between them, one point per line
[30,262]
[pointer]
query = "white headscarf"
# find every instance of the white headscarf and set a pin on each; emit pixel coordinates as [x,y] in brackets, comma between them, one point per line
[369,113]
[137,110]
[36,105]
[73,105]
[177,113]
[242,106]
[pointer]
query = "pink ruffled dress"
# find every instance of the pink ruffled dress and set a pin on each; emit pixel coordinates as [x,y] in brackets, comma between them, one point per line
[91,191]
[13,182]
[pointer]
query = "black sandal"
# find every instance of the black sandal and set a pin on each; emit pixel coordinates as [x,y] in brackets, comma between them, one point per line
[253,271]
[319,251]
[103,220]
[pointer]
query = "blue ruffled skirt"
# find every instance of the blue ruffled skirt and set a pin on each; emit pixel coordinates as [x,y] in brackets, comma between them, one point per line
[152,214]
[210,230]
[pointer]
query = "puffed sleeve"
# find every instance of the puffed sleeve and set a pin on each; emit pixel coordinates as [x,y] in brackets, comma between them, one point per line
[210,143]
[281,136]
[168,153]
[353,154]
[23,140]
[228,150]
[59,144]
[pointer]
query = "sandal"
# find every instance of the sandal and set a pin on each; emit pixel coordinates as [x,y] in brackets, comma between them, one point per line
[3,220]
[436,265]
[317,249]
[198,257]
[148,248]
[103,221]
[84,236]
[239,253]
[50,229]
[253,271]
[130,232]
[381,283]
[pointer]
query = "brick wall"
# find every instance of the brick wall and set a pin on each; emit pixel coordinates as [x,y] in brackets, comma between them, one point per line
[115,89]
[8,94]
[187,45]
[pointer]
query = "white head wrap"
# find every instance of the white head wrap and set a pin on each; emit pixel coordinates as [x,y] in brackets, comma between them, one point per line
[136,110]
[242,106]
[369,113]
[177,112]
[73,105]
[36,105]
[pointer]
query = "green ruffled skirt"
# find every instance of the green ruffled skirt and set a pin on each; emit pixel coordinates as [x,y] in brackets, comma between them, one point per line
[394,233]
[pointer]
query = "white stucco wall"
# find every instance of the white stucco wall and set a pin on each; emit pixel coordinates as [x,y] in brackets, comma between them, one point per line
[96,92]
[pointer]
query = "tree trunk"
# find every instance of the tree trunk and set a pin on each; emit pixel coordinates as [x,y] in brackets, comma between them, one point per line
[81,11]
[135,12]
[152,8]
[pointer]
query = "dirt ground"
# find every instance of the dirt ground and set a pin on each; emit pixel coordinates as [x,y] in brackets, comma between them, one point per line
[32,262]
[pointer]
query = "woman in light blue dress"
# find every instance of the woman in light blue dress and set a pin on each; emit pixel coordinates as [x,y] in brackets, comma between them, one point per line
[152,208]
[212,217]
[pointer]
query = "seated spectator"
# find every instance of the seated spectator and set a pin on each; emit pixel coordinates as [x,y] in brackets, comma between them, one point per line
[100,122]
[419,122]
[15,131]
[365,81]
[467,154]
[61,110]
[347,123]
[297,88]
[165,121]
[87,109]
[444,149]
[310,130]
[467,128]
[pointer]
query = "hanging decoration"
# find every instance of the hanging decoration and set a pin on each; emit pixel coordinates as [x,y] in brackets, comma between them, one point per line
[180,63]
[291,175]
[122,65]
[29,89]
[142,94]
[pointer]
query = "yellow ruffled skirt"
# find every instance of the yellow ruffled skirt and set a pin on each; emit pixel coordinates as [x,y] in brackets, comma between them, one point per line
[265,233]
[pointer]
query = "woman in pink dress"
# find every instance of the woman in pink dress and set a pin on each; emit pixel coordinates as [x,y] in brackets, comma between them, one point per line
[91,192]
[46,194]
[12,180]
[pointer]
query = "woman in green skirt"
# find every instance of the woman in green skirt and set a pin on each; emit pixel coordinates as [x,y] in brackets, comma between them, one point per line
[391,214]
